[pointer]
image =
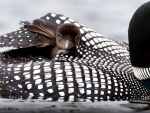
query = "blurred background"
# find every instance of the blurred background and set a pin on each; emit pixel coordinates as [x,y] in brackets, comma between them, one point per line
[108,17]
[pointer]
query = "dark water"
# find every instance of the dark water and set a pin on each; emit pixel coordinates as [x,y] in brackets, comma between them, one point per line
[107,17]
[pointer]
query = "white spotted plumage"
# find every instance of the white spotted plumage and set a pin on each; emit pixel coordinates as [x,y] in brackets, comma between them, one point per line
[103,69]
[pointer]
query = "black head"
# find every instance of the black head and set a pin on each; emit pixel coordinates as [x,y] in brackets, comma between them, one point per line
[139,37]
[67,36]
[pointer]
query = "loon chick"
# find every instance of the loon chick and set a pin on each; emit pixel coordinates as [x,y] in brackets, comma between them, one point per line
[67,36]
[139,44]
[62,39]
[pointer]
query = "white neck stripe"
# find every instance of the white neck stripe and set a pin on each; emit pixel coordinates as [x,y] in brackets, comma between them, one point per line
[141,73]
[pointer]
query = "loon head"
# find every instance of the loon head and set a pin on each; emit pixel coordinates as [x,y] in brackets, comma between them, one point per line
[67,36]
[139,43]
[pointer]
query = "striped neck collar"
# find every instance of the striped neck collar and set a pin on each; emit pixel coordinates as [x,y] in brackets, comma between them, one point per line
[141,73]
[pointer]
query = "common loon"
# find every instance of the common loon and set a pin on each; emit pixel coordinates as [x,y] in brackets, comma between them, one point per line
[139,44]
[103,73]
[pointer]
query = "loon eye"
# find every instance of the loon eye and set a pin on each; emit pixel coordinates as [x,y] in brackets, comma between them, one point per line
[59,35]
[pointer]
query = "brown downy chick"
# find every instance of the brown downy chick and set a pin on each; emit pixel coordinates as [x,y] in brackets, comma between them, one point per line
[62,38]
[67,36]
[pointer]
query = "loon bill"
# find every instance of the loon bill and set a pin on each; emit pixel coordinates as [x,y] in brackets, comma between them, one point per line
[103,73]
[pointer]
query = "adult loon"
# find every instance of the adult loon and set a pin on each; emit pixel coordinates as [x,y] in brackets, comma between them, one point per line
[139,44]
[103,73]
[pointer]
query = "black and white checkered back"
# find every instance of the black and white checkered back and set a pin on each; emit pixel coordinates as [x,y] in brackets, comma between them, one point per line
[103,73]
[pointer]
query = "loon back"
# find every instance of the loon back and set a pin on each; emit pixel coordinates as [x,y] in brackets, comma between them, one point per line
[103,73]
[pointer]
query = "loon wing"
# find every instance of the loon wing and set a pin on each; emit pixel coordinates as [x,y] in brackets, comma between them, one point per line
[42,27]
[18,39]
[23,37]
[47,29]
[24,23]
